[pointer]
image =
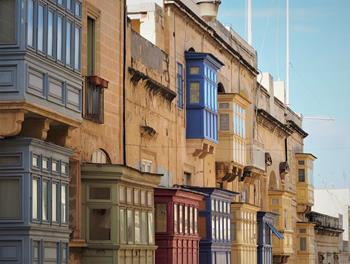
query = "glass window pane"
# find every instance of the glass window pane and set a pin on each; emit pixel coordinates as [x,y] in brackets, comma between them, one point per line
[194,92]
[149,199]
[143,227]
[40,27]
[180,219]
[122,194]
[44,201]
[137,227]
[36,251]
[143,197]
[122,226]
[8,21]
[10,199]
[213,227]
[130,226]
[59,37]
[224,122]
[99,193]
[195,221]
[35,198]
[77,8]
[91,46]
[161,218]
[50,33]
[150,228]
[191,220]
[136,196]
[54,202]
[68,43]
[30,24]
[129,195]
[64,253]
[77,48]
[186,219]
[63,204]
[175,218]
[100,224]
[69,4]
[60,2]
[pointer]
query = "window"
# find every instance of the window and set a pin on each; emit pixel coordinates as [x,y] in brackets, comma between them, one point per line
[146,165]
[35,190]
[122,226]
[30,23]
[301,175]
[195,220]
[194,92]
[54,202]
[130,226]
[36,252]
[94,102]
[50,252]
[303,244]
[40,28]
[100,156]
[122,194]
[180,86]
[91,42]
[150,228]
[68,42]
[137,227]
[77,9]
[69,4]
[143,227]
[8,21]
[191,220]
[64,253]
[10,199]
[63,203]
[224,122]
[187,178]
[267,235]
[301,162]
[77,48]
[186,219]
[175,218]
[100,224]
[161,218]
[180,219]
[50,33]
[59,37]
[44,203]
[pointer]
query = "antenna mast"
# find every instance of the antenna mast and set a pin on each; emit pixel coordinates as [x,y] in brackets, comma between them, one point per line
[250,22]
[287,54]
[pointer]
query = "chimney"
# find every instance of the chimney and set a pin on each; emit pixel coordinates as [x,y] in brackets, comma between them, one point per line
[208,9]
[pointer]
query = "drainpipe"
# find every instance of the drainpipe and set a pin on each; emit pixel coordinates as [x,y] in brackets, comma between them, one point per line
[124,84]
[286,148]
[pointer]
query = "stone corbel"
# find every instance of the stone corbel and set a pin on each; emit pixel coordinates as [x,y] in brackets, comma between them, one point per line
[11,123]
[61,135]
[36,128]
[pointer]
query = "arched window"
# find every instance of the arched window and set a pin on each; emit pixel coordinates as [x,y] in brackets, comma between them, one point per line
[100,156]
[221,88]
[191,49]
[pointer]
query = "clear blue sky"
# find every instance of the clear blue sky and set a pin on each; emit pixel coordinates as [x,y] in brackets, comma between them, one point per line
[320,71]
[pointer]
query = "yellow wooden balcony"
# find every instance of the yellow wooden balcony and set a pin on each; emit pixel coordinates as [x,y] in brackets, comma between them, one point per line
[285,246]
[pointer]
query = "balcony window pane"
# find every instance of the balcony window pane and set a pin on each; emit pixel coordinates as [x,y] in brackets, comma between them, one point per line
[60,2]
[301,175]
[161,218]
[91,46]
[130,223]
[77,9]
[100,224]
[122,194]
[35,198]
[10,199]
[186,219]
[68,43]
[64,204]
[195,221]
[137,227]
[303,244]
[194,92]
[8,21]
[36,251]
[224,122]
[30,24]
[40,26]
[64,253]
[44,200]
[175,218]
[180,219]
[143,228]
[122,226]
[77,48]
[50,33]
[213,227]
[54,202]
[150,228]
[191,220]
[59,37]
[69,4]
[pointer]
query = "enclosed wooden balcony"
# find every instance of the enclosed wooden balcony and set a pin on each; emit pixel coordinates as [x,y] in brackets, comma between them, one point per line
[305,190]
